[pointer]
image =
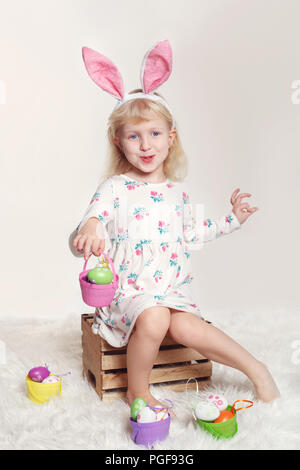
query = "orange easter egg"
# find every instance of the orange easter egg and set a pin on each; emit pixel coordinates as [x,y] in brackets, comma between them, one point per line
[224,416]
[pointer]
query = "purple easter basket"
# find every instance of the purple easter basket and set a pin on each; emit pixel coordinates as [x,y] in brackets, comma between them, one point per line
[148,433]
[96,295]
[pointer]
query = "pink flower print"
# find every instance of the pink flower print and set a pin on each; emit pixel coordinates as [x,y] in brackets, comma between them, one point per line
[139,213]
[164,245]
[173,260]
[131,279]
[123,266]
[116,202]
[95,198]
[207,223]
[193,305]
[229,219]
[170,185]
[139,246]
[122,235]
[125,320]
[178,210]
[178,271]
[162,227]
[156,197]
[139,287]
[157,275]
[185,198]
[103,216]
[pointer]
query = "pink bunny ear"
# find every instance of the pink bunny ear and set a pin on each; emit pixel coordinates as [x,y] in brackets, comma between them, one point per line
[103,72]
[157,66]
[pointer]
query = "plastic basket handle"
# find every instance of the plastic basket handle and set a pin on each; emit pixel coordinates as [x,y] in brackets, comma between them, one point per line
[109,261]
[243,407]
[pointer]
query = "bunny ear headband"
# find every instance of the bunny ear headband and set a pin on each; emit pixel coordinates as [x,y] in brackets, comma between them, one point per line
[156,69]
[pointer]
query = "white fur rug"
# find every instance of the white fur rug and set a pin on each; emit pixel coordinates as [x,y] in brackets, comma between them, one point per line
[79,420]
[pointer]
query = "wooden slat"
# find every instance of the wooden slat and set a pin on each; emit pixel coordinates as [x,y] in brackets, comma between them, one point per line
[118,361]
[172,373]
[107,396]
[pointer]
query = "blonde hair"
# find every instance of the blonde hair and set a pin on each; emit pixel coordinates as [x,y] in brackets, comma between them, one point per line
[175,166]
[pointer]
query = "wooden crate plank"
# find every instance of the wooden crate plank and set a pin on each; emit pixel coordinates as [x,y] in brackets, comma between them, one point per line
[118,361]
[108,396]
[181,387]
[161,374]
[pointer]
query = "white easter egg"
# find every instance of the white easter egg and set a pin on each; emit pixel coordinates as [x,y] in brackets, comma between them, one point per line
[51,379]
[218,400]
[206,411]
[146,415]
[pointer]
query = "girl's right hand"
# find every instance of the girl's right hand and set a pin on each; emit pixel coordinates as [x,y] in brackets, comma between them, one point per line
[90,238]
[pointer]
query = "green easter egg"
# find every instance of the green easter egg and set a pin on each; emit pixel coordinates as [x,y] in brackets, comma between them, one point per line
[136,407]
[100,276]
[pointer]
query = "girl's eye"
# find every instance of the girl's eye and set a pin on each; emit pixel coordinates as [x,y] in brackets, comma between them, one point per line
[133,136]
[155,133]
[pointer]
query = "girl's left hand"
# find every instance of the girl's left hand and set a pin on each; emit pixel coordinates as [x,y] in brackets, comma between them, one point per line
[241,210]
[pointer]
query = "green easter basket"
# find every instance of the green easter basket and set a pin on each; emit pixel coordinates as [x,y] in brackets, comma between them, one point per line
[226,429]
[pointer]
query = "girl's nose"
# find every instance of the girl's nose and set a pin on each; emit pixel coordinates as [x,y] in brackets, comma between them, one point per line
[145,145]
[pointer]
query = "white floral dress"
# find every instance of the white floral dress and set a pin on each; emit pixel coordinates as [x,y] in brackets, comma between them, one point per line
[150,229]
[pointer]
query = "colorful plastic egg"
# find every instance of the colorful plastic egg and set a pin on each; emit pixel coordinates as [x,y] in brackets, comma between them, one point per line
[38,374]
[218,400]
[146,415]
[224,416]
[206,411]
[136,407]
[100,276]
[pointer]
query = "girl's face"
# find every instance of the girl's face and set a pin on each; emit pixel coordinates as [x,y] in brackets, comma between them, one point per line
[147,138]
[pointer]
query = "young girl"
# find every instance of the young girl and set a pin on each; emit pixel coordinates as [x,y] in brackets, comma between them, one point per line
[141,215]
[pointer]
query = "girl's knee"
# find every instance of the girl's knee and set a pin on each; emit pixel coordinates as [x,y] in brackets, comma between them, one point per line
[182,327]
[153,323]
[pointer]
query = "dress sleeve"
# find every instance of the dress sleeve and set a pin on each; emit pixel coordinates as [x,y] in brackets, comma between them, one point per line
[101,206]
[198,230]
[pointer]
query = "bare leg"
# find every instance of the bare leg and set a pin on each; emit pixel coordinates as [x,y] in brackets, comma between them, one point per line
[143,346]
[195,333]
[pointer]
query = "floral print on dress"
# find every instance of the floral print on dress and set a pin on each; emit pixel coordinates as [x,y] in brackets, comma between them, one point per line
[139,246]
[157,276]
[163,227]
[173,259]
[140,212]
[157,197]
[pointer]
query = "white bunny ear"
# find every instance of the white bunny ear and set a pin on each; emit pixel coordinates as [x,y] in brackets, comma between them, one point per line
[103,72]
[156,66]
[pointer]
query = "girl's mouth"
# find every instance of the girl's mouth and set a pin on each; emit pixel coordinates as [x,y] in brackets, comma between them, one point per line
[148,159]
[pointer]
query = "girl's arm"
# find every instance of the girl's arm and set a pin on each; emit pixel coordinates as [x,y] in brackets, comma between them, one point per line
[90,233]
[198,229]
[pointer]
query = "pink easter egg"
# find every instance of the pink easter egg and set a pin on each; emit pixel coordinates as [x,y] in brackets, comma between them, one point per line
[38,374]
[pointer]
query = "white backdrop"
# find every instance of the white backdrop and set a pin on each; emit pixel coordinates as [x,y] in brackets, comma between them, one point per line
[231,90]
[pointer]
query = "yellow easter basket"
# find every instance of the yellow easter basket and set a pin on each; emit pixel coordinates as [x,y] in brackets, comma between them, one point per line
[39,392]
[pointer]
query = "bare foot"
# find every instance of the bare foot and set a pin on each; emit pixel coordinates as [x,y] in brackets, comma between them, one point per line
[149,399]
[266,388]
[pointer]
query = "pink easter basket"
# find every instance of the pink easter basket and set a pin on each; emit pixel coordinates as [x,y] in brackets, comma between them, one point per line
[96,295]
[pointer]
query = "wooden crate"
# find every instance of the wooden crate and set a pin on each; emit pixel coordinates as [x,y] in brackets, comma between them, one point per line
[105,366]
